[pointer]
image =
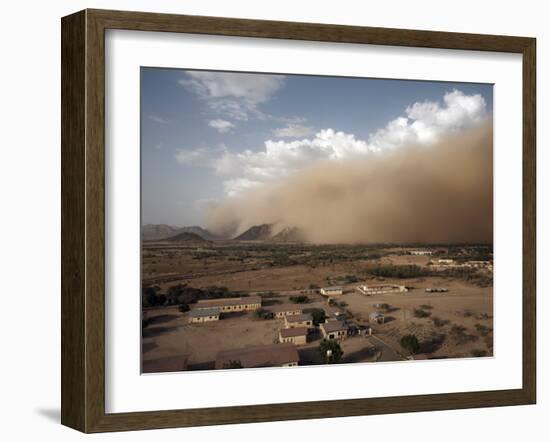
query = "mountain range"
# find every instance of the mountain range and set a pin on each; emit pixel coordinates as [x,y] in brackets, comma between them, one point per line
[156,232]
[260,232]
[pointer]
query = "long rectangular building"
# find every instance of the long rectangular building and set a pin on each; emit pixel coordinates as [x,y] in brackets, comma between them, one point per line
[274,355]
[381,289]
[204,315]
[244,303]
[280,311]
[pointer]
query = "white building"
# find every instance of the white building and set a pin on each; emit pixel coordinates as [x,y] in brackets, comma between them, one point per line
[204,315]
[331,291]
[244,303]
[381,289]
[420,252]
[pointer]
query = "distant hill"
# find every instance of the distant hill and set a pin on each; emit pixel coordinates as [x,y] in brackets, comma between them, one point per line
[156,232]
[198,230]
[256,233]
[186,237]
[289,234]
[265,232]
[151,232]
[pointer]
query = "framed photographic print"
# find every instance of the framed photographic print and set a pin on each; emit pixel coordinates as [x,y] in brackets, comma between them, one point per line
[269,220]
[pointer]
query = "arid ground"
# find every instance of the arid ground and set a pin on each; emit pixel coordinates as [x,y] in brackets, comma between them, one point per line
[452,324]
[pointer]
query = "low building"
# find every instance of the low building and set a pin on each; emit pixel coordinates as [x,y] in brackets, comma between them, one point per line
[303,320]
[337,330]
[332,291]
[381,289]
[420,252]
[296,335]
[377,318]
[244,303]
[437,290]
[274,355]
[280,311]
[204,315]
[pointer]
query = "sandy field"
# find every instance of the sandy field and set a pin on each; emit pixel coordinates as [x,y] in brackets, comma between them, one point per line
[458,323]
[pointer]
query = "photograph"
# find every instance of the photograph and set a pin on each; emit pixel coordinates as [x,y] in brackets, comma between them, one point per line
[296,220]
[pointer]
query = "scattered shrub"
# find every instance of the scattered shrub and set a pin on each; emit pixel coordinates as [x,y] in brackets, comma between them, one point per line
[233,364]
[336,351]
[438,322]
[318,315]
[400,271]
[300,299]
[410,343]
[264,314]
[478,353]
[419,313]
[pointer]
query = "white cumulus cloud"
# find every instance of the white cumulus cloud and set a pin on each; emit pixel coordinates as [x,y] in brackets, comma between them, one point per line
[236,95]
[221,125]
[158,119]
[422,123]
[293,130]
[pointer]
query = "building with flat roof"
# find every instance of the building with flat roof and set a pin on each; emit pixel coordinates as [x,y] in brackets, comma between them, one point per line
[280,311]
[303,320]
[337,330]
[274,355]
[296,335]
[332,291]
[244,303]
[204,315]
[369,290]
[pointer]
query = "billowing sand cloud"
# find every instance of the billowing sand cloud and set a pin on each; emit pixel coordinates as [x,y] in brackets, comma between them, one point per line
[439,192]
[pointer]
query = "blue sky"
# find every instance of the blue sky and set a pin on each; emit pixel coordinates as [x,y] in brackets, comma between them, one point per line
[208,136]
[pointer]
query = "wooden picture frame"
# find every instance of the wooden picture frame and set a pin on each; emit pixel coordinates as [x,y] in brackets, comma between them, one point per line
[83,219]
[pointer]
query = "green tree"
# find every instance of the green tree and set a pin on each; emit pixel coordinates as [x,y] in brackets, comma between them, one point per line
[410,343]
[419,313]
[318,315]
[300,299]
[183,308]
[149,296]
[331,351]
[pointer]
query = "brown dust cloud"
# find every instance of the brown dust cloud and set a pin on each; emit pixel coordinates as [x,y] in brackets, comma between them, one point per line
[436,194]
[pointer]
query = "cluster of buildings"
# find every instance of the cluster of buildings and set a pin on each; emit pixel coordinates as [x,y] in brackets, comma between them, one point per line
[297,327]
[296,330]
[447,263]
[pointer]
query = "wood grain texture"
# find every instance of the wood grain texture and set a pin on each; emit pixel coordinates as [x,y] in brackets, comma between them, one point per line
[83,219]
[73,129]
